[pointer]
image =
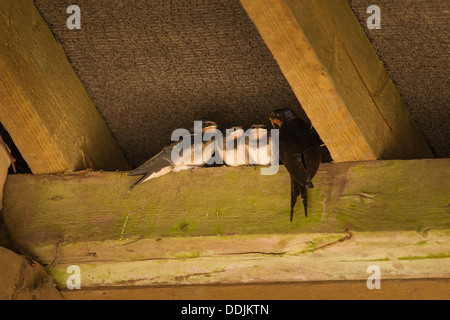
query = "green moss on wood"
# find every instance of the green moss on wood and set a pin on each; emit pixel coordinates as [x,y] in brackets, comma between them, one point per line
[367,196]
[430,256]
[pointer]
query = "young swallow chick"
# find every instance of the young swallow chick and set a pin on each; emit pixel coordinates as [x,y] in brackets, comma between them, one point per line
[300,152]
[162,163]
[259,145]
[251,147]
[233,152]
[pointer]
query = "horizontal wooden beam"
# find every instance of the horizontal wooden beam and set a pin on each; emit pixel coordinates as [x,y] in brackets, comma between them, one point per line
[338,78]
[411,289]
[361,196]
[250,259]
[231,225]
[43,104]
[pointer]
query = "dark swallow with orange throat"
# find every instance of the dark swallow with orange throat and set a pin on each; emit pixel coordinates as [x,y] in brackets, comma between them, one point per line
[300,152]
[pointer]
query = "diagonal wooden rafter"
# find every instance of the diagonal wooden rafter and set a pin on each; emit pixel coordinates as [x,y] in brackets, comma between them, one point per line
[43,104]
[338,78]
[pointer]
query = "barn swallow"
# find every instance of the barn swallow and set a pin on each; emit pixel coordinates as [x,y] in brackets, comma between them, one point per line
[259,152]
[300,152]
[248,148]
[233,150]
[162,163]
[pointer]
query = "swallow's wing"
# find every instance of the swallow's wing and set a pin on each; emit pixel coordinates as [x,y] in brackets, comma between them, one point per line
[295,191]
[155,164]
[141,180]
[294,165]
[312,158]
[304,195]
[155,174]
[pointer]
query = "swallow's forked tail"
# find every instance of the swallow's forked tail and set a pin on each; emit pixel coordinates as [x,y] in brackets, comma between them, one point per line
[156,167]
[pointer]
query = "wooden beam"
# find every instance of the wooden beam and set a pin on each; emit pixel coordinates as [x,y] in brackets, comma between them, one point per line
[5,162]
[415,289]
[338,78]
[20,281]
[362,196]
[250,259]
[43,104]
[186,228]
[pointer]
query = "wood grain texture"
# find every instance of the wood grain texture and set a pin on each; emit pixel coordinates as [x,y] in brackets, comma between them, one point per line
[5,162]
[20,281]
[417,289]
[231,225]
[363,196]
[43,105]
[416,58]
[338,78]
[251,259]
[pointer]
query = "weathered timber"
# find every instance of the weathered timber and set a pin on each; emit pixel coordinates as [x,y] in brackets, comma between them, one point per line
[5,162]
[43,104]
[21,281]
[231,225]
[416,289]
[338,78]
[364,196]
[250,258]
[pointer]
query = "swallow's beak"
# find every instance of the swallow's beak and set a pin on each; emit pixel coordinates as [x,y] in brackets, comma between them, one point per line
[275,121]
[209,127]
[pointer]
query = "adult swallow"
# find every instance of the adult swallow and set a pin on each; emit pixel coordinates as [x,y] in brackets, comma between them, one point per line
[162,163]
[300,152]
